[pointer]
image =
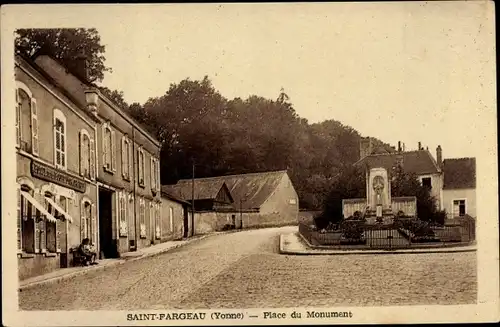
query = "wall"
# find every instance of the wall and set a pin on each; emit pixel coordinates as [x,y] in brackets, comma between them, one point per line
[458,194]
[177,232]
[350,206]
[407,204]
[282,206]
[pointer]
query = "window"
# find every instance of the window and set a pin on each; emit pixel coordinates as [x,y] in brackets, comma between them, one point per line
[86,155]
[60,139]
[125,158]
[171,216]
[87,221]
[157,221]
[108,149]
[427,182]
[142,218]
[140,158]
[26,222]
[155,174]
[122,214]
[459,208]
[26,119]
[50,227]
[292,201]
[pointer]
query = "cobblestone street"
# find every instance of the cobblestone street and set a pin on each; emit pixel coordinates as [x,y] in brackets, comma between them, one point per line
[244,269]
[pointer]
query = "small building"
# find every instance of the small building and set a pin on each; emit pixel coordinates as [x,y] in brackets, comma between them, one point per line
[259,200]
[175,222]
[213,202]
[459,189]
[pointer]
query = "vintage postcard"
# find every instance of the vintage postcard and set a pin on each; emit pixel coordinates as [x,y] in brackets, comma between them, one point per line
[247,164]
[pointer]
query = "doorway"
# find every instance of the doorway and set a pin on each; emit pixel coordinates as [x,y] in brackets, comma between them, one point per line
[107,245]
[186,222]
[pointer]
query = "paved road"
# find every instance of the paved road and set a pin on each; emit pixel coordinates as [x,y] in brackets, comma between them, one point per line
[244,269]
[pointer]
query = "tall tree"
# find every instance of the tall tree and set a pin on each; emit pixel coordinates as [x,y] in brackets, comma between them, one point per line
[115,96]
[65,45]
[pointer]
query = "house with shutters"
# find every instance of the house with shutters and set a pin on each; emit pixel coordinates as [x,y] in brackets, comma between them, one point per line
[459,187]
[127,166]
[85,169]
[57,192]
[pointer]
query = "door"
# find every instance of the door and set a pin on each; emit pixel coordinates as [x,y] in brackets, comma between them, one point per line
[186,222]
[107,245]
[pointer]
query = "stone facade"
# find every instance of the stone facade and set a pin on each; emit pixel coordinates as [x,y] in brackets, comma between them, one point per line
[49,173]
[173,213]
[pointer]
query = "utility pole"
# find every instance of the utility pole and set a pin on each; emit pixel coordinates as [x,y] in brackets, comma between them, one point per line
[241,213]
[192,203]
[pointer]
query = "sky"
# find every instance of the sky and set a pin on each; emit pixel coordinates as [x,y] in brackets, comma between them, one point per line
[408,71]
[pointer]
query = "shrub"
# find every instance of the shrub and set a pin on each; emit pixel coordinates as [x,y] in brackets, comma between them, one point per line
[352,230]
[321,222]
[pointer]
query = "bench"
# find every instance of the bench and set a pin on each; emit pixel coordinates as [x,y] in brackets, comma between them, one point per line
[78,259]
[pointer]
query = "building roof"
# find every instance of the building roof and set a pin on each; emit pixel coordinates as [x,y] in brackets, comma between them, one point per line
[459,173]
[252,189]
[419,162]
[203,189]
[173,197]
[69,82]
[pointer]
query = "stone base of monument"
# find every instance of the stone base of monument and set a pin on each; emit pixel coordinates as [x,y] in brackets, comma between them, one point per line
[386,219]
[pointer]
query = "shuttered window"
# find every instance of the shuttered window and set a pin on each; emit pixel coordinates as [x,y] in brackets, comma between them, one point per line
[157,221]
[171,217]
[108,149]
[140,164]
[59,139]
[125,158]
[85,154]
[142,218]
[123,214]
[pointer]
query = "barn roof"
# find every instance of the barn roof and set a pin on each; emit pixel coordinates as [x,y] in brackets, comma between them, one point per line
[419,162]
[459,173]
[252,189]
[204,189]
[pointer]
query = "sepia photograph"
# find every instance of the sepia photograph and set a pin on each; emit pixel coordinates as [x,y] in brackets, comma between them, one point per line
[257,163]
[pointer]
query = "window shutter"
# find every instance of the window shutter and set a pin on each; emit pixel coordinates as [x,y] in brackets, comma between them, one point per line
[104,145]
[18,118]
[151,173]
[43,234]
[83,221]
[130,159]
[92,159]
[58,235]
[19,221]
[82,156]
[124,157]
[158,225]
[139,164]
[36,230]
[94,223]
[158,179]
[113,151]
[34,127]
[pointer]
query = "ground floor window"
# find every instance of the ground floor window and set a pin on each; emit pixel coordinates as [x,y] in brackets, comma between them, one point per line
[459,208]
[50,227]
[26,228]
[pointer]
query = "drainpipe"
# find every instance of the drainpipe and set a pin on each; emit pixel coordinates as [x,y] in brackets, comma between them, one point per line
[96,173]
[134,179]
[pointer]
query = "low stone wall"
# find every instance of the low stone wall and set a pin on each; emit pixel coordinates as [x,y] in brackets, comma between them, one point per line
[39,264]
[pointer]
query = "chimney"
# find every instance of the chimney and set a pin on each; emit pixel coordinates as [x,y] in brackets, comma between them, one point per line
[399,146]
[439,156]
[365,147]
[419,146]
[403,149]
[79,67]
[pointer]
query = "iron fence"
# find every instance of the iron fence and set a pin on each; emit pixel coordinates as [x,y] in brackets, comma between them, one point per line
[401,234]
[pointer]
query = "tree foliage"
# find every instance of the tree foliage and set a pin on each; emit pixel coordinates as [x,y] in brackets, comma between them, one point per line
[65,45]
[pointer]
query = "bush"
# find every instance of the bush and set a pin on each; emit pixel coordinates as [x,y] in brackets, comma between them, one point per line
[352,230]
[321,222]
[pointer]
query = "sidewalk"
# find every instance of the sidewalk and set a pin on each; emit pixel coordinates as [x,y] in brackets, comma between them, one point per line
[295,244]
[66,273]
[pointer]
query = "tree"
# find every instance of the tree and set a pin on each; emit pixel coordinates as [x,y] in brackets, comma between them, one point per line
[407,184]
[349,184]
[65,45]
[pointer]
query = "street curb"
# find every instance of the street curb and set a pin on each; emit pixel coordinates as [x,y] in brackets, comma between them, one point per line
[361,252]
[120,261]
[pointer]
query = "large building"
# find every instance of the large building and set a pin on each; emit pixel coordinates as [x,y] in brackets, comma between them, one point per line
[85,169]
[452,182]
[242,201]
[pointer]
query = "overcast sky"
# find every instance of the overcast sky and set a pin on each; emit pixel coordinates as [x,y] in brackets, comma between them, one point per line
[397,71]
